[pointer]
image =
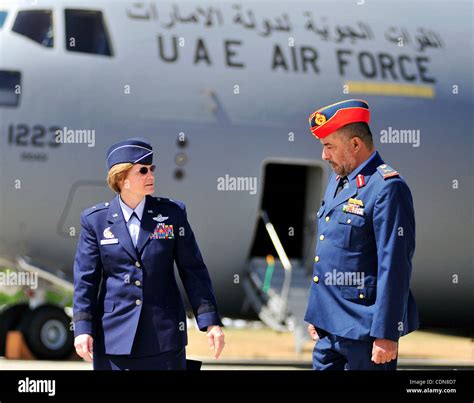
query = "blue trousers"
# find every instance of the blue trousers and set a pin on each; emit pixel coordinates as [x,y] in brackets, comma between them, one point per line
[170,360]
[339,353]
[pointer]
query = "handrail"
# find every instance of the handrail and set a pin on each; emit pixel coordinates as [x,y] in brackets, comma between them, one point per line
[25,265]
[284,260]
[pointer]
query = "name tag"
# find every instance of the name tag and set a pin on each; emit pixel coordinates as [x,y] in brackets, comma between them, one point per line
[108,241]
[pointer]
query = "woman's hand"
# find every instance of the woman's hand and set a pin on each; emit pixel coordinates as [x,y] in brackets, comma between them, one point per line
[83,345]
[215,338]
[312,332]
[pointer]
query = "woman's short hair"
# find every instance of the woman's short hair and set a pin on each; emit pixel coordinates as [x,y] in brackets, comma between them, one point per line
[117,174]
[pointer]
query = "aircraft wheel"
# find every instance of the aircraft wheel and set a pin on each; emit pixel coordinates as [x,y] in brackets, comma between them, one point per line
[46,331]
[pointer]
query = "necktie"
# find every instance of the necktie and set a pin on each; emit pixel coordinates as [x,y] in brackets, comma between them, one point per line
[342,184]
[135,215]
[135,240]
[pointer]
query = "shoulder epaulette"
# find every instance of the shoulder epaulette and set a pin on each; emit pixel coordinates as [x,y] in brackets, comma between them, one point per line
[170,201]
[97,207]
[387,171]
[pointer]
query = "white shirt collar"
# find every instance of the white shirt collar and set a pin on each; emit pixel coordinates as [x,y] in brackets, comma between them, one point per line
[127,211]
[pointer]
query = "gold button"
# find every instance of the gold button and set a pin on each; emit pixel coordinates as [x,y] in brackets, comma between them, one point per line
[361,296]
[321,237]
[138,302]
[138,283]
[316,279]
[316,259]
[348,220]
[137,264]
[327,219]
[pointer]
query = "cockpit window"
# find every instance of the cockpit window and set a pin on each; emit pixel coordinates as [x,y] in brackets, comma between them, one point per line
[86,32]
[36,25]
[3,17]
[10,87]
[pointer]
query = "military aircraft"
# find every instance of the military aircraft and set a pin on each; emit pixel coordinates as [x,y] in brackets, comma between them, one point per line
[223,91]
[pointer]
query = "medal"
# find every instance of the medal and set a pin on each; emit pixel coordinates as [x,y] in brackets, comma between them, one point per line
[353,209]
[107,233]
[356,201]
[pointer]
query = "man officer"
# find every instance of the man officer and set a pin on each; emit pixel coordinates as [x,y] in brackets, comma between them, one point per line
[360,302]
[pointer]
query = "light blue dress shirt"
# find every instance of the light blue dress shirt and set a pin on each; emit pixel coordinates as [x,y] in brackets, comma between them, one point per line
[133,224]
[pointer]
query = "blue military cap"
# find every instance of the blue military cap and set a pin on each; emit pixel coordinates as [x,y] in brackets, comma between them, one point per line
[134,150]
[327,120]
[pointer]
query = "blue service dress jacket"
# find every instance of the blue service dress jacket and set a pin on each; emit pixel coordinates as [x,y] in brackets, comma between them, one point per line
[127,298]
[362,267]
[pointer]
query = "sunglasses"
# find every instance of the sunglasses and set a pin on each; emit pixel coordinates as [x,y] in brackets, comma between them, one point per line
[144,170]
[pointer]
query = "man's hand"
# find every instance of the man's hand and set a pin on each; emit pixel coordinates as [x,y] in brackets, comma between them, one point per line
[215,338]
[312,332]
[83,345]
[384,350]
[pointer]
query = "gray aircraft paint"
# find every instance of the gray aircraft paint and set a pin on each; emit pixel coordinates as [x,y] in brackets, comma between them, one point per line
[233,134]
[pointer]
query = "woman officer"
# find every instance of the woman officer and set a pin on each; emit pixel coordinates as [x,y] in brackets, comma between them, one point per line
[128,311]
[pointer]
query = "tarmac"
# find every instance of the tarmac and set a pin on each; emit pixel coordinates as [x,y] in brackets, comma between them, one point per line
[264,349]
[232,365]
